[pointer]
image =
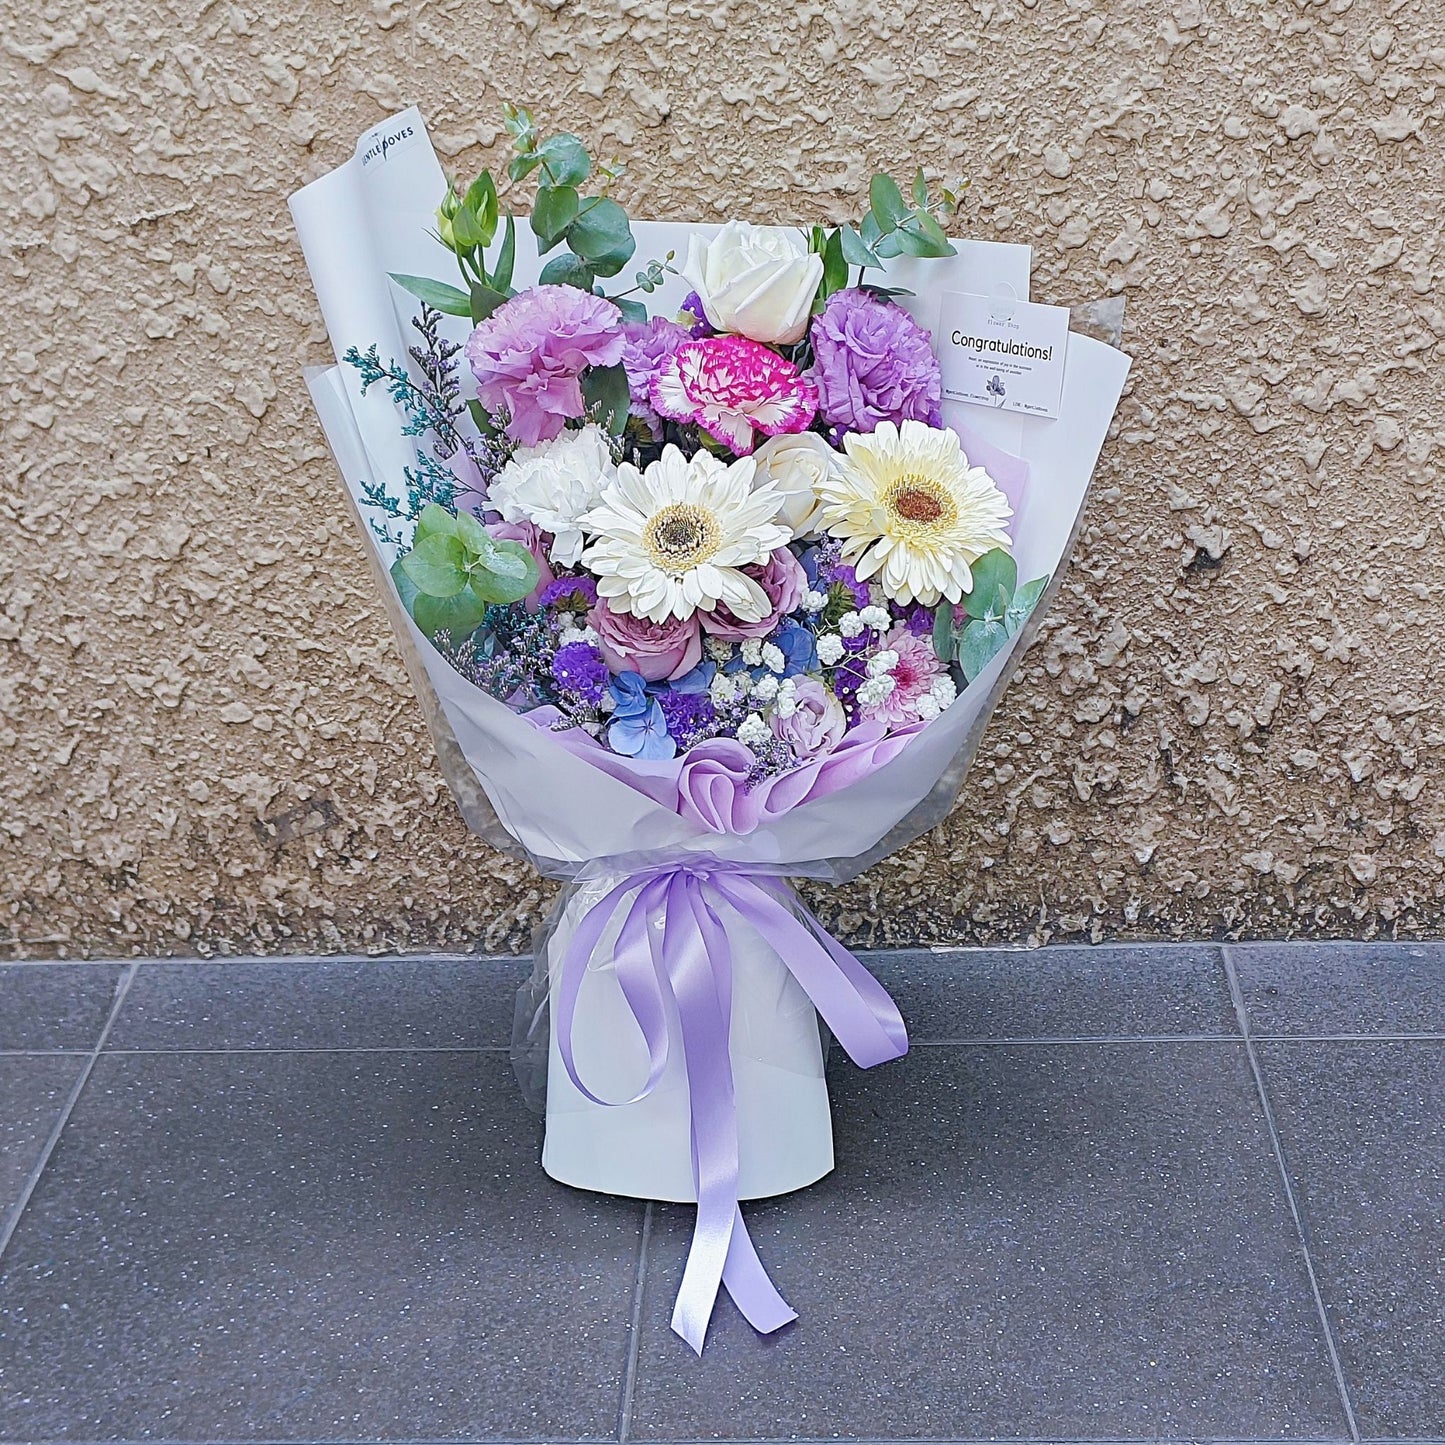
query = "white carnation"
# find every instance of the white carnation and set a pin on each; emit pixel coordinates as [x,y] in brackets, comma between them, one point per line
[553,484]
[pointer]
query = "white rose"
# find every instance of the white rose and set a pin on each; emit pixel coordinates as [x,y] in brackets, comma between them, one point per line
[797,465]
[757,281]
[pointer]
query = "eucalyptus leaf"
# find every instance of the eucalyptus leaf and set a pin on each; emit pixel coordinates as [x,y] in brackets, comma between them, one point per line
[993,570]
[554,210]
[567,270]
[437,564]
[436,294]
[886,201]
[978,644]
[856,251]
[522,166]
[513,573]
[631,310]
[602,236]
[474,537]
[567,160]
[405,587]
[920,189]
[943,631]
[434,519]
[1023,603]
[460,615]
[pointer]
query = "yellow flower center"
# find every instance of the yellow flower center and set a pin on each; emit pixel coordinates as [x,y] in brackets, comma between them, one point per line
[919,504]
[680,537]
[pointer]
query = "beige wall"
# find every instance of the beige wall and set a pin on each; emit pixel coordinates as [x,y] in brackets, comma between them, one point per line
[1232,725]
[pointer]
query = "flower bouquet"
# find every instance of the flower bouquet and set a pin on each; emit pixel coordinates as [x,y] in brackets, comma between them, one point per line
[704,584]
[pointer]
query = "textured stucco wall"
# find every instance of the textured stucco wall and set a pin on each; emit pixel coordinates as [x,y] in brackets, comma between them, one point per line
[1233,722]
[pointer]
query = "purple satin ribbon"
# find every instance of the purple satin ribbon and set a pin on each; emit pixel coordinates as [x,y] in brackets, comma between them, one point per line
[686,967]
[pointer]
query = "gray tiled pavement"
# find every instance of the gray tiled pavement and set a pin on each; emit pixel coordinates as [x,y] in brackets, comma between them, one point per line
[1114,1194]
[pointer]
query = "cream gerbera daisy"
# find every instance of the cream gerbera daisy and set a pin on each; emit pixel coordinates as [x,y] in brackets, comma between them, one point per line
[668,541]
[907,505]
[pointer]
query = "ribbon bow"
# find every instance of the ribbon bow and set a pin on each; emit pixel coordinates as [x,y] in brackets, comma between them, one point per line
[687,964]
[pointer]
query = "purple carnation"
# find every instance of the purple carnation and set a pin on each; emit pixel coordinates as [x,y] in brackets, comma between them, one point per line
[529,355]
[578,668]
[648,344]
[688,715]
[579,593]
[873,362]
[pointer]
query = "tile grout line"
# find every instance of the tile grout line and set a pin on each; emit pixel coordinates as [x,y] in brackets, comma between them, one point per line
[1241,1013]
[32,1180]
[634,1330]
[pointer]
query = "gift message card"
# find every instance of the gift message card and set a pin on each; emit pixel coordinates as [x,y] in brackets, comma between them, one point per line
[1003,353]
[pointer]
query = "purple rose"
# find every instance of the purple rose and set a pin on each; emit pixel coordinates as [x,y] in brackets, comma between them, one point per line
[529,355]
[657,650]
[783,579]
[873,362]
[647,345]
[536,542]
[818,724]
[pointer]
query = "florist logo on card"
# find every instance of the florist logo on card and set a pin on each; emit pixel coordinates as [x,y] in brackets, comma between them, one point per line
[381,143]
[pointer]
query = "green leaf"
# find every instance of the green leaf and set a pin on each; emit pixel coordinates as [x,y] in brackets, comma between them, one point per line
[1024,602]
[474,537]
[567,271]
[943,631]
[870,231]
[523,166]
[631,310]
[554,210]
[930,228]
[460,615]
[978,644]
[405,587]
[920,189]
[512,574]
[437,564]
[567,159]
[886,201]
[434,520]
[889,245]
[481,200]
[466,229]
[482,417]
[484,301]
[605,389]
[912,243]
[993,570]
[835,266]
[602,237]
[436,294]
[856,251]
[506,259]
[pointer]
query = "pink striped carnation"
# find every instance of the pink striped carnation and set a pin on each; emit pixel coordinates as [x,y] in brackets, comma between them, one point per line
[733,387]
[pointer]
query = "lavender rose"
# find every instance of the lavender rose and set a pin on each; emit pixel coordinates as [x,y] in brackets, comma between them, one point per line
[783,580]
[873,362]
[657,650]
[817,723]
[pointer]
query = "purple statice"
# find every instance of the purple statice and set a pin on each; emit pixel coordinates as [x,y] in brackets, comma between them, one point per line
[648,344]
[771,759]
[873,362]
[917,618]
[529,355]
[850,674]
[571,594]
[578,668]
[690,716]
[693,317]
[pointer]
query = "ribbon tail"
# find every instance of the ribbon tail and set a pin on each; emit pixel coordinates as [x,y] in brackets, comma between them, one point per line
[746,1280]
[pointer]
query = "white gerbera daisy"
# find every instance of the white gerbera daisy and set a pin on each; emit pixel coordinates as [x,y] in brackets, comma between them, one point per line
[551,485]
[669,541]
[908,507]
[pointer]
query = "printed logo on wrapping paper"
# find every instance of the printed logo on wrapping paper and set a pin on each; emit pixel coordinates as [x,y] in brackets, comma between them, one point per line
[1004,353]
[386,140]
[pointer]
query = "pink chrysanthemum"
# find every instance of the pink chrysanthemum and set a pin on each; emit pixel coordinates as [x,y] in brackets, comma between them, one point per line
[732,388]
[921,684]
[529,355]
